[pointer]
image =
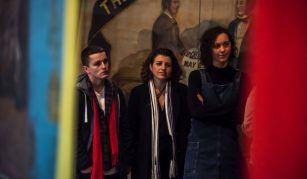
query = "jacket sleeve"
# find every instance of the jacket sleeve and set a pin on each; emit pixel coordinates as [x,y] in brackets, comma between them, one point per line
[123,105]
[130,128]
[84,159]
[183,129]
[122,132]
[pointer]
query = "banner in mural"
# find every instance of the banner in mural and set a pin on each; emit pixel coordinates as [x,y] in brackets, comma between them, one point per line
[103,12]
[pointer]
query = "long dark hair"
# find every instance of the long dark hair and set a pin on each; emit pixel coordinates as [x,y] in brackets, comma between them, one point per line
[207,42]
[146,73]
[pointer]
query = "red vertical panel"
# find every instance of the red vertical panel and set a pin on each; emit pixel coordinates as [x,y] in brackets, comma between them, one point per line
[280,55]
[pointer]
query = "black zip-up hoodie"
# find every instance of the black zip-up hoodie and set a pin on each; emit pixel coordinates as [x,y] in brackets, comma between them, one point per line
[85,123]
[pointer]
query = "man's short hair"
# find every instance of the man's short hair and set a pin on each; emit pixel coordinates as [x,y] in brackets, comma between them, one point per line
[166,4]
[89,51]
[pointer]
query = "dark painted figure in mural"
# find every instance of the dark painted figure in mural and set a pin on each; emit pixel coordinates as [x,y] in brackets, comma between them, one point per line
[239,29]
[159,120]
[215,104]
[101,108]
[165,32]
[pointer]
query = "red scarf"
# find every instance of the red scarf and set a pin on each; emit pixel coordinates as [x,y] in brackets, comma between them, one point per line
[97,167]
[113,134]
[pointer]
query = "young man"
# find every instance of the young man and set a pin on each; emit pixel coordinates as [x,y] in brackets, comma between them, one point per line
[101,108]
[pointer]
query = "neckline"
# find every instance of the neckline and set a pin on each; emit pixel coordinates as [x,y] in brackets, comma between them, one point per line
[158,95]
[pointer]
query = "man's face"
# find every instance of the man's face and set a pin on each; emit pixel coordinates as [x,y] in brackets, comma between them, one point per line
[98,68]
[173,9]
[241,7]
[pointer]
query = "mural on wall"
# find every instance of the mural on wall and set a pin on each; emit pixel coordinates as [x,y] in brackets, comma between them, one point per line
[103,12]
[148,24]
[165,31]
[239,28]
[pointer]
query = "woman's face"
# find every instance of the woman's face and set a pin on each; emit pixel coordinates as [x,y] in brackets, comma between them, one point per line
[221,50]
[161,68]
[174,7]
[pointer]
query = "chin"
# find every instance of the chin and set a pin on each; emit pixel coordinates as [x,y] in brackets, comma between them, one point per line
[104,77]
[223,61]
[162,78]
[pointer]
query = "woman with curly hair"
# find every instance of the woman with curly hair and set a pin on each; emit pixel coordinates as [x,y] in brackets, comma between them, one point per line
[159,120]
[214,101]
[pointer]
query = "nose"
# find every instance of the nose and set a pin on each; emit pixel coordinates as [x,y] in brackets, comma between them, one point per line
[222,48]
[163,66]
[103,65]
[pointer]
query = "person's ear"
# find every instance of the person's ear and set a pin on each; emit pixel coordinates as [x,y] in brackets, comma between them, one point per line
[150,67]
[86,69]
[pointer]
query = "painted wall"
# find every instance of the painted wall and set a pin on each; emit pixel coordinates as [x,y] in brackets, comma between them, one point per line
[129,33]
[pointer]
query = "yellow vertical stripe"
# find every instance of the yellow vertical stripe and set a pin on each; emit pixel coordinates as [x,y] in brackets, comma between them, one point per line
[66,151]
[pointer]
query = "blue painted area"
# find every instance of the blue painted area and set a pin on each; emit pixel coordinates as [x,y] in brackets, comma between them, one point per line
[45,53]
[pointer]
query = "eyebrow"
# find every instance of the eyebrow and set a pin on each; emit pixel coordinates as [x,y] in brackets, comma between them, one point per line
[227,41]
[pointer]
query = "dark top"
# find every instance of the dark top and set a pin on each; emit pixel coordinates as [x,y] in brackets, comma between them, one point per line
[219,76]
[165,144]
[164,137]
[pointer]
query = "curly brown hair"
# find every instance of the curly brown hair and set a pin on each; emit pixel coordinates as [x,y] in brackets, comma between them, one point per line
[207,42]
[146,73]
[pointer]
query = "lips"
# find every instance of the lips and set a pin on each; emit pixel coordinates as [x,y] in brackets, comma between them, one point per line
[104,73]
[222,55]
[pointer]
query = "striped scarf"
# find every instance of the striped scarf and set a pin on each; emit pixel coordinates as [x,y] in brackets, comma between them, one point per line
[155,166]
